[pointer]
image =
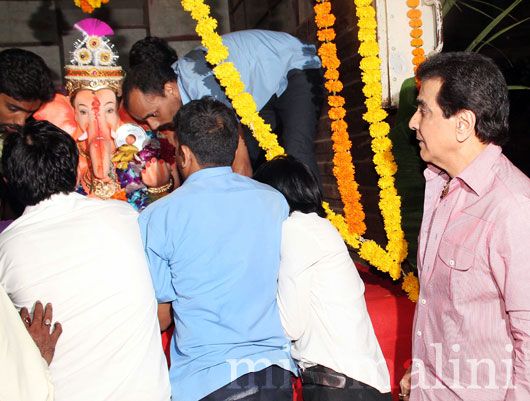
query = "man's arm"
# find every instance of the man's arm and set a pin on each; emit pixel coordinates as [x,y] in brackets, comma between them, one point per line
[165,317]
[509,263]
[241,164]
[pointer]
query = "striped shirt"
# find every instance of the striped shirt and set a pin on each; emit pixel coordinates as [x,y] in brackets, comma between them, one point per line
[472,323]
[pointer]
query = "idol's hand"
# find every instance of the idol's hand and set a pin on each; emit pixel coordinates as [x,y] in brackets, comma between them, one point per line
[156,173]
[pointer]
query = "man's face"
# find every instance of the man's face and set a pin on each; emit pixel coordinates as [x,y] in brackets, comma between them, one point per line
[16,112]
[435,133]
[157,111]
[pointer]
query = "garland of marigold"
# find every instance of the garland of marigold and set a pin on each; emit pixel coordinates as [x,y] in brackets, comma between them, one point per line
[416,33]
[88,6]
[390,202]
[246,108]
[343,168]
[229,77]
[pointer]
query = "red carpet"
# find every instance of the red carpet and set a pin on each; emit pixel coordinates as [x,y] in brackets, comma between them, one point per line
[391,313]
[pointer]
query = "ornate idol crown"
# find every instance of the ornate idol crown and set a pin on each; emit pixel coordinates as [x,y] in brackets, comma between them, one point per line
[93,63]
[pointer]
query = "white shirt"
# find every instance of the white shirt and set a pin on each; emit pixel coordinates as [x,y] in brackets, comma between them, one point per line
[24,375]
[85,256]
[322,306]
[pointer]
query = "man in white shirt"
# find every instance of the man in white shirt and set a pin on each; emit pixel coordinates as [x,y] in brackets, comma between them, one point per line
[85,256]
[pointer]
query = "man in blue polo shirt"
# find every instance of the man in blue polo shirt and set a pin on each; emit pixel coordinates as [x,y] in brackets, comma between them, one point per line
[213,247]
[281,73]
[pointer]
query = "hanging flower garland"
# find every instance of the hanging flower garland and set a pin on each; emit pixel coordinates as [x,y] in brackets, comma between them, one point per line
[343,164]
[416,33]
[389,260]
[88,6]
[390,202]
[230,79]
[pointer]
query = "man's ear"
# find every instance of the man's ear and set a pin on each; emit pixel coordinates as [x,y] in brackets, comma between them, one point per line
[465,125]
[171,89]
[186,156]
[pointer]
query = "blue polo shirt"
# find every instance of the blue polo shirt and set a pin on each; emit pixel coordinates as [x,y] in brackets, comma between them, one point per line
[263,59]
[213,247]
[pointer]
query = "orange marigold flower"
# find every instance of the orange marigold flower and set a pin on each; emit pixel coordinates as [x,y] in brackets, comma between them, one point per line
[416,42]
[325,20]
[332,74]
[418,52]
[336,113]
[333,86]
[336,101]
[415,23]
[323,8]
[417,60]
[412,14]
[416,33]
[326,35]
[413,3]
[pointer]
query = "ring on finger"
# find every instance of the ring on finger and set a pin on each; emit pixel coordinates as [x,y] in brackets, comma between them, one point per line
[47,322]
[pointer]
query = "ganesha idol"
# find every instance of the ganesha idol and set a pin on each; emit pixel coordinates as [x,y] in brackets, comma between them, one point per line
[117,158]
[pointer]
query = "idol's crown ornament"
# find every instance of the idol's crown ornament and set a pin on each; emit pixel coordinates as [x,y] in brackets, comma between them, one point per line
[93,63]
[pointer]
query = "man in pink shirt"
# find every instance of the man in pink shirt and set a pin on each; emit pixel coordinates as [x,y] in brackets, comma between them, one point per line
[471,336]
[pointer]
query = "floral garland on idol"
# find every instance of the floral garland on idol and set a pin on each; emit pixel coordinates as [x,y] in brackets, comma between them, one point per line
[343,168]
[88,6]
[229,77]
[416,33]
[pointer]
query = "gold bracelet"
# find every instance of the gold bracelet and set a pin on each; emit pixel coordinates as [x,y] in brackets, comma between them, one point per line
[161,189]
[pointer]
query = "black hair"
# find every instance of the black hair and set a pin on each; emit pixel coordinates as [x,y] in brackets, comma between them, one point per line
[471,81]
[152,49]
[24,76]
[210,129]
[148,78]
[295,181]
[38,161]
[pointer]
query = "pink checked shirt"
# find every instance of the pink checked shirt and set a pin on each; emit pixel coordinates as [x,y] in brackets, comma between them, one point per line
[471,338]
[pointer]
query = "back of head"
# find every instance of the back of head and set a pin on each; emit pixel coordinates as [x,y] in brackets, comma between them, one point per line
[295,181]
[152,49]
[148,78]
[471,81]
[38,161]
[24,76]
[209,129]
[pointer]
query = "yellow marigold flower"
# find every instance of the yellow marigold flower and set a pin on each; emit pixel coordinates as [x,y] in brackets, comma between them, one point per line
[370,63]
[363,3]
[369,48]
[411,286]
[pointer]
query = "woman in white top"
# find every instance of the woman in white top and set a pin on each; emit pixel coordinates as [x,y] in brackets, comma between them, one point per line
[321,296]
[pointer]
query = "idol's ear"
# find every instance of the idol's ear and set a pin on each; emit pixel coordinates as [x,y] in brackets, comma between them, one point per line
[60,113]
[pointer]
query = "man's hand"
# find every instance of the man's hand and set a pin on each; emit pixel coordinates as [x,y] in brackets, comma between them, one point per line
[39,329]
[404,385]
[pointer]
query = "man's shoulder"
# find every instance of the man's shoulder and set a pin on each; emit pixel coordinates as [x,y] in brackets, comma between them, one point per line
[512,182]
